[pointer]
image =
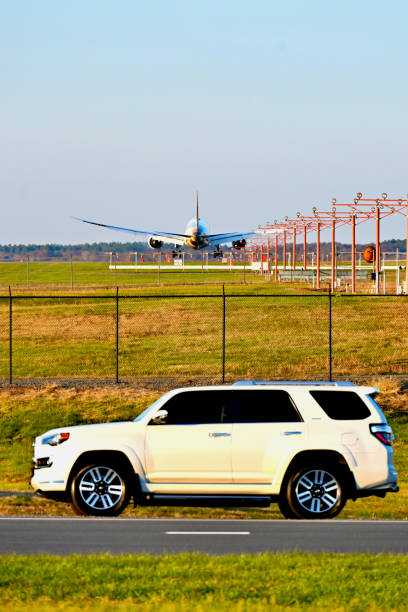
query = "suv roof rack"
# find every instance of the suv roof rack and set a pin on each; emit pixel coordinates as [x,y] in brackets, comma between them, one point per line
[326,383]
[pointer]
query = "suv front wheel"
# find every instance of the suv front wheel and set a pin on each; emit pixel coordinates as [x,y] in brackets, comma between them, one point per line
[100,489]
[313,492]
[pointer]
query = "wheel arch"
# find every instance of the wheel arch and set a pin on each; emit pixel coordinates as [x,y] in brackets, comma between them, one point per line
[119,458]
[331,457]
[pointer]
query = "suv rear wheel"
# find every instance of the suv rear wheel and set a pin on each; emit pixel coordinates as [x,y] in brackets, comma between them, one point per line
[100,489]
[313,492]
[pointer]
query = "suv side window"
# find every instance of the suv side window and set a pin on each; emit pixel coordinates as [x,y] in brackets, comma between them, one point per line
[244,406]
[341,405]
[194,407]
[261,406]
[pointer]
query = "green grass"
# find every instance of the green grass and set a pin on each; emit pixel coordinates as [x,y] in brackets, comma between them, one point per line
[295,581]
[98,275]
[26,413]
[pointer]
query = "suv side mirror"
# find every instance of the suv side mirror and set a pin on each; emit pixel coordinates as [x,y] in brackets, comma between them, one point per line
[159,418]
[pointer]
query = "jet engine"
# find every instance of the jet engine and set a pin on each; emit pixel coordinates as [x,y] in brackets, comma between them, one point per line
[154,244]
[239,244]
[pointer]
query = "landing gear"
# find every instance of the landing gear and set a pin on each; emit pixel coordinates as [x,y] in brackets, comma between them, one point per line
[177,253]
[217,252]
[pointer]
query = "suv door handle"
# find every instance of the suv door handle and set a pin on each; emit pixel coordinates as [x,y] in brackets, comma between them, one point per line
[218,434]
[291,433]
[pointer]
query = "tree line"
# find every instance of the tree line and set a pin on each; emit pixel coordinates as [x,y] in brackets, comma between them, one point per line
[99,251]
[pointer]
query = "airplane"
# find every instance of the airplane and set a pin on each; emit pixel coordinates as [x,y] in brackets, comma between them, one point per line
[196,236]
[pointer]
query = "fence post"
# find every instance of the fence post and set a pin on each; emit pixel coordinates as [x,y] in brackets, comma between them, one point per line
[72,273]
[117,334]
[10,337]
[223,333]
[330,336]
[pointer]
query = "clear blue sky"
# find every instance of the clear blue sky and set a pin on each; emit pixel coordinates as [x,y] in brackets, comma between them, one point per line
[118,111]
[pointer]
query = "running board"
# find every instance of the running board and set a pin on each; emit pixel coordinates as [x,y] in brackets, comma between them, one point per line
[205,501]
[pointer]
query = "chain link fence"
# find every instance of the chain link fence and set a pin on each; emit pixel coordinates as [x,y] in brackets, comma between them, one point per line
[202,338]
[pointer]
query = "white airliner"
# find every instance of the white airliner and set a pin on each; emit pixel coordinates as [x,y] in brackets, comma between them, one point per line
[196,236]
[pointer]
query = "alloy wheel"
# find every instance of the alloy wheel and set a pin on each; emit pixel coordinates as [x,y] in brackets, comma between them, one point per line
[101,488]
[317,491]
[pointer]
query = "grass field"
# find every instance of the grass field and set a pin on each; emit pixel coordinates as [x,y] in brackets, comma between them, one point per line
[57,275]
[60,276]
[25,413]
[171,583]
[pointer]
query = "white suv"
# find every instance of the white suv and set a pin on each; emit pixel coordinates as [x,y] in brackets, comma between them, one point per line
[307,446]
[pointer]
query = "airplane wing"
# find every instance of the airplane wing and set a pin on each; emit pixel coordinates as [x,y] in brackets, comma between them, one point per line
[163,236]
[214,239]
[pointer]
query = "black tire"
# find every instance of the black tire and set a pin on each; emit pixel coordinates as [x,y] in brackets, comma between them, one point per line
[313,492]
[285,509]
[100,489]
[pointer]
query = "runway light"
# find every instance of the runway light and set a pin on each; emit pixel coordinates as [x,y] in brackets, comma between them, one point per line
[384,196]
[286,218]
[314,209]
[359,195]
[298,214]
[334,200]
[333,208]
[355,200]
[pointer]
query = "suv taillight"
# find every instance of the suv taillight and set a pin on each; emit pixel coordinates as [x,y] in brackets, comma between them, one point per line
[383,433]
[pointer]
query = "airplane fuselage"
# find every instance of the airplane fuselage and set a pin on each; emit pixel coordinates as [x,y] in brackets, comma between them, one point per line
[196,230]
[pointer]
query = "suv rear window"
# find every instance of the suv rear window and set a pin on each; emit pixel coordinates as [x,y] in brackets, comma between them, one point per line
[341,405]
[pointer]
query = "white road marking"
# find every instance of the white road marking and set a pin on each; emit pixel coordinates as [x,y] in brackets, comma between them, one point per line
[208,532]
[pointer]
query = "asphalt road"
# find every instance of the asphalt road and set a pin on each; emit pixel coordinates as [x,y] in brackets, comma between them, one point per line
[85,535]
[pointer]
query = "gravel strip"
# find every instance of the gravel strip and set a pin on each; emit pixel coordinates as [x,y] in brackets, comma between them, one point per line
[156,384]
[17,494]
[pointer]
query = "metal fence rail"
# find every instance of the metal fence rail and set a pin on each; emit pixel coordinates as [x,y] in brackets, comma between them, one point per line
[217,337]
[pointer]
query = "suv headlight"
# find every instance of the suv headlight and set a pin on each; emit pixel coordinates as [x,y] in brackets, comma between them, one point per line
[55,439]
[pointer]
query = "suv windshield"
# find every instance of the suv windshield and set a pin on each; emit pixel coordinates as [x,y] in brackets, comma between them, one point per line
[142,414]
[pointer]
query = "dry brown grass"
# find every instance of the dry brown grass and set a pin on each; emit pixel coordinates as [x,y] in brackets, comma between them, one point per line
[62,393]
[95,404]
[393,397]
